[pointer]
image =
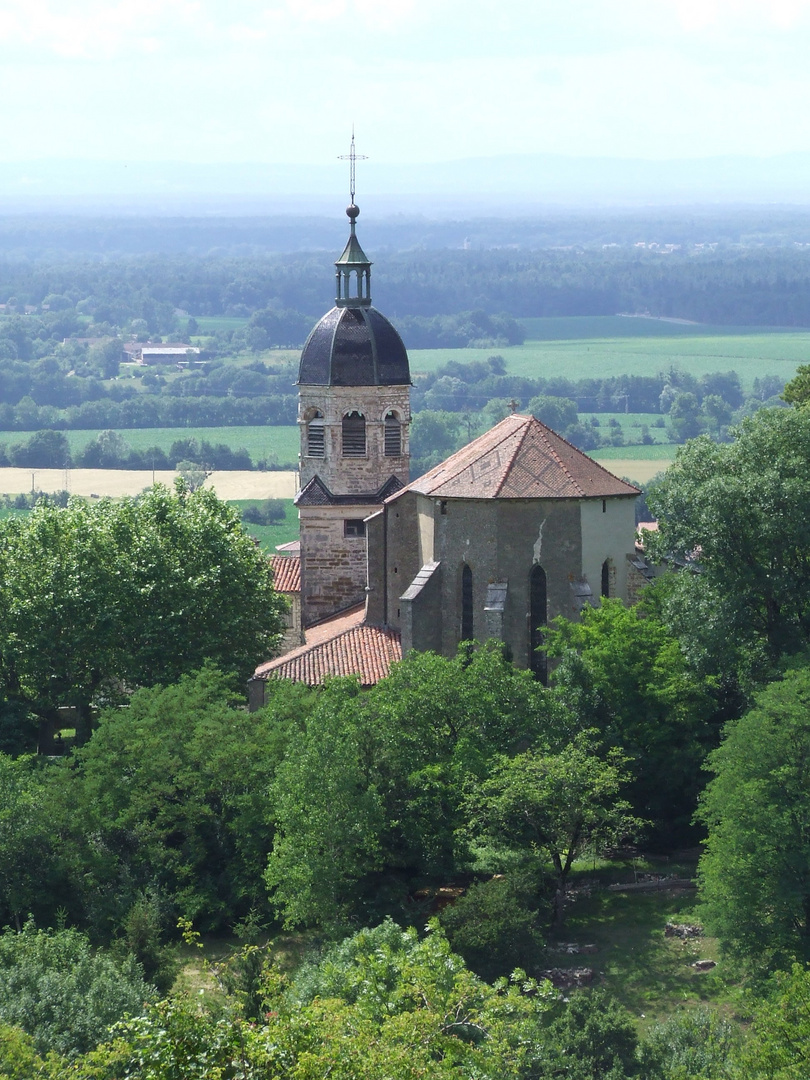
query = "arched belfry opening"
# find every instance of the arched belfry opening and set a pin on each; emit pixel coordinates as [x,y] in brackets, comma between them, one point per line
[316,443]
[538,619]
[354,434]
[392,434]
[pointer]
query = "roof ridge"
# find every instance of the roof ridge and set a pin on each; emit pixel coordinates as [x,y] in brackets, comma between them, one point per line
[522,438]
[582,453]
[465,465]
[545,429]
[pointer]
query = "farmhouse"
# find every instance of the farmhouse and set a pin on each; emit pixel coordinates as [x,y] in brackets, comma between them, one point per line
[509,532]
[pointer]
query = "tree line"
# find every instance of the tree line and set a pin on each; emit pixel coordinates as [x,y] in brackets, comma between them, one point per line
[723,286]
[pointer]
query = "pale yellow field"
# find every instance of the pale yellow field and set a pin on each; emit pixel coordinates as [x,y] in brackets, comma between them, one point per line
[641,470]
[115,482]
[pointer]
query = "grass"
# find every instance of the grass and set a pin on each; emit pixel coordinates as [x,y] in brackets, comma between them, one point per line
[650,974]
[594,350]
[661,452]
[276,444]
[269,536]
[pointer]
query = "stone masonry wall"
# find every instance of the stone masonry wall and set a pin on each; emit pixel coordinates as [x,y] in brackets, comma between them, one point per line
[353,475]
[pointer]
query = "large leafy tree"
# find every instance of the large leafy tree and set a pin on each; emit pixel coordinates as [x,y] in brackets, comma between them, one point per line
[739,515]
[620,670]
[171,801]
[755,872]
[101,596]
[554,805]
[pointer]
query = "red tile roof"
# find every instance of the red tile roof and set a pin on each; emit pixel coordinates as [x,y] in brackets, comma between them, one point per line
[286,573]
[340,647]
[520,458]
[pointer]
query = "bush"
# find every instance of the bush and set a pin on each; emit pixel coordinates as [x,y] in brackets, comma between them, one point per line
[269,512]
[63,993]
[493,927]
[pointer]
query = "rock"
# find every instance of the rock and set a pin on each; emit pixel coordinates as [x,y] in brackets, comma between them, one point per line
[683,930]
[566,978]
[704,965]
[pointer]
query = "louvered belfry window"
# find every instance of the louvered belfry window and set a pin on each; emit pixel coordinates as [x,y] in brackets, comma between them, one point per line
[354,435]
[393,435]
[315,439]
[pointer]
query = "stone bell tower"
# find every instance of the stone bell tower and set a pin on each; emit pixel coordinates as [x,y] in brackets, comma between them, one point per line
[354,418]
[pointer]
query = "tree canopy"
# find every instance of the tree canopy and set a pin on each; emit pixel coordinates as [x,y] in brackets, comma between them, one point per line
[737,516]
[755,872]
[111,594]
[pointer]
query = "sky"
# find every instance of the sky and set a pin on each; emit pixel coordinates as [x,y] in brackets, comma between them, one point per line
[282,81]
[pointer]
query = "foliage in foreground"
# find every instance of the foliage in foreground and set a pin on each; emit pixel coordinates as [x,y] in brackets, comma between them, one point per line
[61,992]
[755,872]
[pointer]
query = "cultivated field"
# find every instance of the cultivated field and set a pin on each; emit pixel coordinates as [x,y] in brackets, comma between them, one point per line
[275,444]
[625,346]
[116,482]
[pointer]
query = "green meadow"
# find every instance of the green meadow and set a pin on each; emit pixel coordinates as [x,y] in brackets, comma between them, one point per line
[278,445]
[601,347]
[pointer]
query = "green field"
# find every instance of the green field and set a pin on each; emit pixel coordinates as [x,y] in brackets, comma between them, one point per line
[270,536]
[629,423]
[208,324]
[696,349]
[664,452]
[275,444]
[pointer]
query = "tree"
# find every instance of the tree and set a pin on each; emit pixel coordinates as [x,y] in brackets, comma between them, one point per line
[779,1045]
[739,515]
[384,1003]
[555,805]
[44,450]
[797,391]
[620,670]
[174,791]
[128,593]
[755,871]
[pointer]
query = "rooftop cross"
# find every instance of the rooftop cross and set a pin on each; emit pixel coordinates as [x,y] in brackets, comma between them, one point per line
[352,157]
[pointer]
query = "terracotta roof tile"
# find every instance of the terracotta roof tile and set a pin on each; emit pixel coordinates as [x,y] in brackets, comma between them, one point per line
[286,573]
[520,458]
[365,651]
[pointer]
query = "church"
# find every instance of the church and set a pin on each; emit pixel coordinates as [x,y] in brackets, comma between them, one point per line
[507,533]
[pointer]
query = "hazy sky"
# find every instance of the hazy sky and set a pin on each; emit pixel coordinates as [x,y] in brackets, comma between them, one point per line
[423,80]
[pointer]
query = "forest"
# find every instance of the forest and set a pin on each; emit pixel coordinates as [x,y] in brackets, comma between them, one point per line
[320,834]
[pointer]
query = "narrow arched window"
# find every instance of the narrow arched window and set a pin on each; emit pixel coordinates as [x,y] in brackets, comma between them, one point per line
[538,618]
[606,578]
[393,435]
[466,604]
[354,435]
[315,436]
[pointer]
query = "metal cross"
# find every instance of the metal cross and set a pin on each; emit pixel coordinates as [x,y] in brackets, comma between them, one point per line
[352,157]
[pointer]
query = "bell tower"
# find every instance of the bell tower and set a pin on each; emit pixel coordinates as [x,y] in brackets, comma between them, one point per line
[354,420]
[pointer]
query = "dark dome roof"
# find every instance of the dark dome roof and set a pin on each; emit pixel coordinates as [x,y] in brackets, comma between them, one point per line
[354,346]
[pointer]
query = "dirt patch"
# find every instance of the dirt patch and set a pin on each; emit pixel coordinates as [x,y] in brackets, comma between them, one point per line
[117,482]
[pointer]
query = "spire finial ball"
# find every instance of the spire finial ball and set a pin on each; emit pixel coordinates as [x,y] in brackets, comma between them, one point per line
[352,212]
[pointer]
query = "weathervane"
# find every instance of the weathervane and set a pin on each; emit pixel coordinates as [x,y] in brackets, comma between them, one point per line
[352,157]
